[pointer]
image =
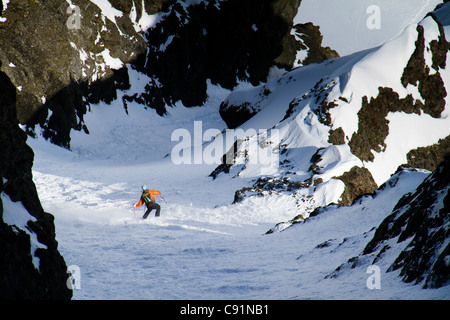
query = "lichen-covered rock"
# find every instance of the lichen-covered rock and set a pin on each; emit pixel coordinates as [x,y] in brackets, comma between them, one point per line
[54,66]
[310,40]
[358,182]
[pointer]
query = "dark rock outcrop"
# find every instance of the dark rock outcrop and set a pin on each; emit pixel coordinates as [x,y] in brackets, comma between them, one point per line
[423,219]
[222,41]
[189,44]
[19,278]
[54,67]
[429,157]
[307,38]
[311,40]
[236,114]
[417,73]
[268,185]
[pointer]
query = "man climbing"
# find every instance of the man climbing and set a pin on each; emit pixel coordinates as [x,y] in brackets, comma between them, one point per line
[148,198]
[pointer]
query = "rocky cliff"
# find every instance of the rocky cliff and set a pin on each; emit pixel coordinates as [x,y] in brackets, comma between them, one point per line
[422,220]
[66,56]
[55,56]
[30,265]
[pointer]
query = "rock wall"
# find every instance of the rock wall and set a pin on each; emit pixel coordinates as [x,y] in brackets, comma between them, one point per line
[55,66]
[422,219]
[60,70]
[19,277]
[220,41]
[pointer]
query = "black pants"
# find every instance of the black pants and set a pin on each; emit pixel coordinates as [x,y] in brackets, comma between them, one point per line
[150,207]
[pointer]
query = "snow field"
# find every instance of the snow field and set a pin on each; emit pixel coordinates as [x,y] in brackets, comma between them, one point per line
[201,247]
[200,251]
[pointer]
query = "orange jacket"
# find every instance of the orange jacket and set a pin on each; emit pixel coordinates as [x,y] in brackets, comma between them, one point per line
[151,193]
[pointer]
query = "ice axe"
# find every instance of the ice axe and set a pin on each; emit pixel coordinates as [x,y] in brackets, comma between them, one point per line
[163,198]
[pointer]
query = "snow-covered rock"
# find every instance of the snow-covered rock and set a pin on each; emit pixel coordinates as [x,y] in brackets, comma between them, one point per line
[414,239]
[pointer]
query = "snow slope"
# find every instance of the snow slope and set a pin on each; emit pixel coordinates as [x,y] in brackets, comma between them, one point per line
[202,247]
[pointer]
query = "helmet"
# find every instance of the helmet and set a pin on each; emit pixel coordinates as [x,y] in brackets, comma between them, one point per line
[144,187]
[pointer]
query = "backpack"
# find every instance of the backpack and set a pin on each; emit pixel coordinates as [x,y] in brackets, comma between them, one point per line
[147,198]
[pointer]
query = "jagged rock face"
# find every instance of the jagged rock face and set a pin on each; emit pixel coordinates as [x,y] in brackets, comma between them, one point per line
[69,68]
[54,66]
[224,41]
[423,219]
[19,279]
[307,38]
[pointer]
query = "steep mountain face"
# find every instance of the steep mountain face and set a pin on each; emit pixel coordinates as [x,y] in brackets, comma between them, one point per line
[179,45]
[224,41]
[30,265]
[340,128]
